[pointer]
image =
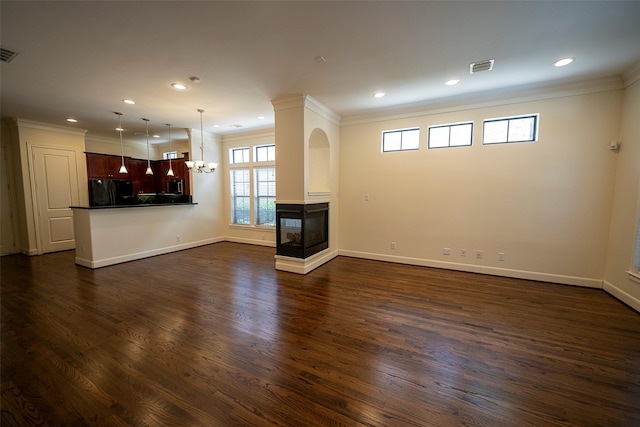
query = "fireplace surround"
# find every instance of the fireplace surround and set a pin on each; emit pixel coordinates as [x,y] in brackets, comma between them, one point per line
[302,230]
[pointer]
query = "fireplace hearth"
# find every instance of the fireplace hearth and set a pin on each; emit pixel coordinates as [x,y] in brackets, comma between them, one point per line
[302,230]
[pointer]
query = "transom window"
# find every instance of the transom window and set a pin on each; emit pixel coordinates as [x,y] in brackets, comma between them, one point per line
[239,155]
[265,153]
[511,129]
[401,139]
[169,155]
[451,135]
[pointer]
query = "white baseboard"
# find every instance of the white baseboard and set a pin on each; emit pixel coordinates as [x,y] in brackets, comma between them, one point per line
[250,241]
[304,266]
[505,272]
[144,254]
[618,293]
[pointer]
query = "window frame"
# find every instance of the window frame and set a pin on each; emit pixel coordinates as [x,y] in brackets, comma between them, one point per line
[232,156]
[401,131]
[166,155]
[267,146]
[257,198]
[450,125]
[536,125]
[234,197]
[247,161]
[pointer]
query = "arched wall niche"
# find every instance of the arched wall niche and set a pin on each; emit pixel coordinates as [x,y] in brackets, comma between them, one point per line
[319,162]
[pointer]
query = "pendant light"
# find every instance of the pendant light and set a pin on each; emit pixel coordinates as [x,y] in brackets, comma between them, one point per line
[170,171]
[123,168]
[200,166]
[149,170]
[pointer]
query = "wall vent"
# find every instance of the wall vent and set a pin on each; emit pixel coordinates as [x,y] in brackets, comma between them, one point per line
[7,55]
[485,65]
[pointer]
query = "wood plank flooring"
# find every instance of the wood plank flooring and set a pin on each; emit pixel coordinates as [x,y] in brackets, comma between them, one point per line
[215,336]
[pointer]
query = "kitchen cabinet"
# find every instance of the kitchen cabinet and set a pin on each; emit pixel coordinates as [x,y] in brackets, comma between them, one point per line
[101,166]
[180,172]
[142,183]
[106,166]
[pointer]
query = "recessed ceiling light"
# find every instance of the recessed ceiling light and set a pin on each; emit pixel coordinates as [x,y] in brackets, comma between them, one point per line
[120,129]
[178,86]
[72,120]
[378,94]
[216,126]
[260,117]
[562,62]
[452,82]
[156,136]
[129,101]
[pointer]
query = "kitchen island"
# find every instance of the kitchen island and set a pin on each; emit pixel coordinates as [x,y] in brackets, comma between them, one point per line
[107,235]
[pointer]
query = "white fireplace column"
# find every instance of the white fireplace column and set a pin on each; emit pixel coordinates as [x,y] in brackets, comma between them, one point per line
[307,137]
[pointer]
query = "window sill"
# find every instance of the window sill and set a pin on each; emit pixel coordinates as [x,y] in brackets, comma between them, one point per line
[254,227]
[635,277]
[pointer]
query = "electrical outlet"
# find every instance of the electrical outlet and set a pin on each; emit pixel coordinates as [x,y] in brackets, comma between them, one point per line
[501,256]
[478,254]
[446,251]
[366,197]
[463,252]
[393,245]
[177,238]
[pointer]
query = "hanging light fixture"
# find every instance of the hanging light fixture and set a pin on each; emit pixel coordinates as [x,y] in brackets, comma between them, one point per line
[200,166]
[170,171]
[123,168]
[149,170]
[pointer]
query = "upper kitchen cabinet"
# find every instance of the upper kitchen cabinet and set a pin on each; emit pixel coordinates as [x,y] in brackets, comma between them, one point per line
[100,166]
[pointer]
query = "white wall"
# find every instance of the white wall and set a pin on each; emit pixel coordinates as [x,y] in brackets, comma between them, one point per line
[626,203]
[545,204]
[138,150]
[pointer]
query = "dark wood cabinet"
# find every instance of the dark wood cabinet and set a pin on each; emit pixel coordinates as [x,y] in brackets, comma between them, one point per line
[105,166]
[100,166]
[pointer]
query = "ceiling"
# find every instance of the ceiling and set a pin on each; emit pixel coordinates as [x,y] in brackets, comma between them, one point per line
[81,59]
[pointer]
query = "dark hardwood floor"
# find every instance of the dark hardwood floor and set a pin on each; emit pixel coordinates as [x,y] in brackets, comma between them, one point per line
[215,336]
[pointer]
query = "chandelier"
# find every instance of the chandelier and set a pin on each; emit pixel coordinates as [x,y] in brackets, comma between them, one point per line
[200,166]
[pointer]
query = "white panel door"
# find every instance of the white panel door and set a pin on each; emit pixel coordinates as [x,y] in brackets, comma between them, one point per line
[56,178]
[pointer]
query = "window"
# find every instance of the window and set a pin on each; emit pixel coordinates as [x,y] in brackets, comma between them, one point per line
[240,196]
[265,196]
[253,185]
[511,129]
[453,135]
[169,155]
[401,139]
[239,155]
[265,153]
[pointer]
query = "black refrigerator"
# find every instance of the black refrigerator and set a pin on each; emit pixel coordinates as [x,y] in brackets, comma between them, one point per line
[109,192]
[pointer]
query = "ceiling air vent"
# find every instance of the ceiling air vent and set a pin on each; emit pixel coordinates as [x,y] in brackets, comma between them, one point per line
[476,67]
[7,55]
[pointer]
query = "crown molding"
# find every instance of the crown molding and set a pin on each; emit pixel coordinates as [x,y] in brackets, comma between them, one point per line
[491,99]
[31,124]
[632,75]
[249,135]
[287,102]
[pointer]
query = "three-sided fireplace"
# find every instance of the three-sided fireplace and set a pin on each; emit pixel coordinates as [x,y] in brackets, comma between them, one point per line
[301,230]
